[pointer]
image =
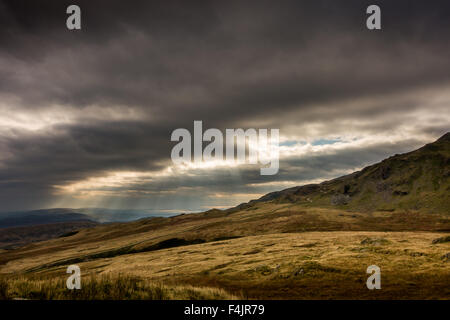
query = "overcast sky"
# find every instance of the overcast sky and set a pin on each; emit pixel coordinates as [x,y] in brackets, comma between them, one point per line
[86,116]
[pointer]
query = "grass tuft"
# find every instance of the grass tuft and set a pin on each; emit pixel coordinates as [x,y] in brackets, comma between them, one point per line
[104,288]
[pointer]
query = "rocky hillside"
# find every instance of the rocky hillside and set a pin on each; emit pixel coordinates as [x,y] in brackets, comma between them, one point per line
[418,180]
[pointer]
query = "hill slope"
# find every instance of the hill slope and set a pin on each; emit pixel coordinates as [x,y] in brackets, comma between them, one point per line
[418,180]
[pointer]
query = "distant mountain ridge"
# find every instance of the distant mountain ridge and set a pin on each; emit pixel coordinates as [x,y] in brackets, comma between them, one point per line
[40,217]
[18,236]
[417,180]
[23,227]
[56,215]
[20,228]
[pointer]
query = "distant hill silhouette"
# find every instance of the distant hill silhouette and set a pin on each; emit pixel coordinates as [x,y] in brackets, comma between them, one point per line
[18,236]
[39,217]
[20,228]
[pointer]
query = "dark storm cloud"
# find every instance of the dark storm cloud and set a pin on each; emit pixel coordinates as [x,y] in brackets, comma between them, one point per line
[75,152]
[283,64]
[242,57]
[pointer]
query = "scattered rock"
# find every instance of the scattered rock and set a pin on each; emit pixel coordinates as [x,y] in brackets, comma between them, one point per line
[297,272]
[382,187]
[385,172]
[374,241]
[264,270]
[254,251]
[416,254]
[446,257]
[441,240]
[340,199]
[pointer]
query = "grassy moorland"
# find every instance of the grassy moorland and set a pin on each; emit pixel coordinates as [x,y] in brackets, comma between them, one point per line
[327,264]
[310,265]
[310,242]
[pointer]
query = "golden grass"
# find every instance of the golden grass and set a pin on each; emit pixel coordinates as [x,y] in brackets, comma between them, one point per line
[310,265]
[115,239]
[275,251]
[104,288]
